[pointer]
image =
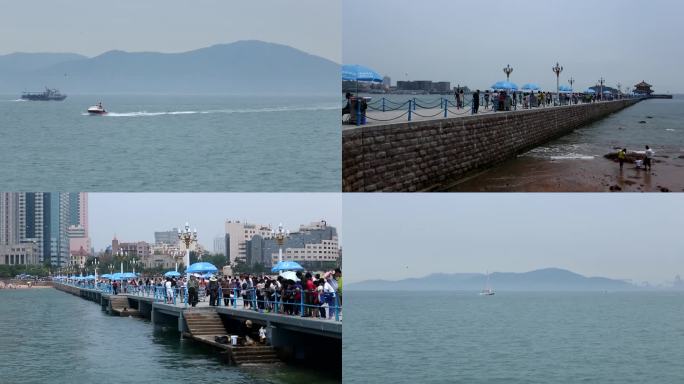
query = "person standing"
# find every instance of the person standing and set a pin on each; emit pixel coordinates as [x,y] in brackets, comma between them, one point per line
[648,158]
[225,291]
[213,291]
[622,155]
[193,286]
[476,101]
[461,97]
[486,99]
[457,98]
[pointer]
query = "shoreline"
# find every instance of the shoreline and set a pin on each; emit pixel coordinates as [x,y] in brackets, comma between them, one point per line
[529,174]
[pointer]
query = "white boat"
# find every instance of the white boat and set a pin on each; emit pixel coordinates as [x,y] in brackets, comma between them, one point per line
[487,291]
[97,109]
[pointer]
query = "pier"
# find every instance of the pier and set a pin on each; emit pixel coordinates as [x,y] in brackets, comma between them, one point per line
[290,338]
[429,154]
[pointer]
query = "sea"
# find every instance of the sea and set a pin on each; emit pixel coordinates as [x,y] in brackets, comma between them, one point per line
[48,336]
[462,337]
[175,143]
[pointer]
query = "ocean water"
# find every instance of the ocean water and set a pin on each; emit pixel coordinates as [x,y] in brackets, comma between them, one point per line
[47,336]
[663,131]
[441,337]
[171,143]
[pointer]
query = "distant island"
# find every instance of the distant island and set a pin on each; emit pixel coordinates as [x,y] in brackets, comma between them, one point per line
[243,67]
[548,279]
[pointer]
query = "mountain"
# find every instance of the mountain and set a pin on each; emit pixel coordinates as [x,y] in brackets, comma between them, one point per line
[243,67]
[549,279]
[17,63]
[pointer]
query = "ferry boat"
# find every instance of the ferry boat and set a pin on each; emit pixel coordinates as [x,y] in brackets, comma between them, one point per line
[48,95]
[97,109]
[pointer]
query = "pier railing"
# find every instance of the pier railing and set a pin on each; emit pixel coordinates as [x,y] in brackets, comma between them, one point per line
[445,107]
[294,302]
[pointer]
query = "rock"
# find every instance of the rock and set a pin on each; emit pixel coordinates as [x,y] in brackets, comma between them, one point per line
[663,189]
[642,122]
[649,117]
[615,188]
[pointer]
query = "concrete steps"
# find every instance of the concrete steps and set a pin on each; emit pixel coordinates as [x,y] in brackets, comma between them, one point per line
[204,323]
[254,355]
[120,306]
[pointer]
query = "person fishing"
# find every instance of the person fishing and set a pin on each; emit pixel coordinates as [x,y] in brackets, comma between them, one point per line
[622,155]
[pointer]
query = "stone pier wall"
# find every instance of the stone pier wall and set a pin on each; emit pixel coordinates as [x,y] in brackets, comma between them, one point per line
[424,155]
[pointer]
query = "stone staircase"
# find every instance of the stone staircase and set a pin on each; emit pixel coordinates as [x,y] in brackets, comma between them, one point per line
[204,323]
[204,326]
[120,306]
[258,354]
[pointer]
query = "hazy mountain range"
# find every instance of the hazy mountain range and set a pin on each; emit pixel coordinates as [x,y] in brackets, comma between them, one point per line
[549,279]
[241,67]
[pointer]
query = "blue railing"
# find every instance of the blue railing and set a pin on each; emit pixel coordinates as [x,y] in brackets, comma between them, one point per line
[309,303]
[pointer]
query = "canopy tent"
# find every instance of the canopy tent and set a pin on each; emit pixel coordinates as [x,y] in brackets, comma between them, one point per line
[504,86]
[355,72]
[287,266]
[530,87]
[201,267]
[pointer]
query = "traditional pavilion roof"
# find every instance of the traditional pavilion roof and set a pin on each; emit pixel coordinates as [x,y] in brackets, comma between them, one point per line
[643,84]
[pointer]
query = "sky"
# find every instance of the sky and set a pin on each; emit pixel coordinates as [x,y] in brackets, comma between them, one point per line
[625,236]
[136,216]
[470,42]
[91,28]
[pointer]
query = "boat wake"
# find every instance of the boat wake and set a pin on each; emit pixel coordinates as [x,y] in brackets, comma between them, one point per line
[225,111]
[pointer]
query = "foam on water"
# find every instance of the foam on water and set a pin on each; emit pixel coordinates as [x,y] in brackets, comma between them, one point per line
[253,110]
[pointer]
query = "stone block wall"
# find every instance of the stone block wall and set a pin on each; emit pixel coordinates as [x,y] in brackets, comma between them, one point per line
[423,155]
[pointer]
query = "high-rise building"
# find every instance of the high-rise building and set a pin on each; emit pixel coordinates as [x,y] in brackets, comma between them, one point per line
[166,237]
[78,210]
[220,245]
[237,234]
[312,244]
[9,225]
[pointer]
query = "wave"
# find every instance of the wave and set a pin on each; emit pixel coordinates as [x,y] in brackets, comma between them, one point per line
[669,129]
[226,111]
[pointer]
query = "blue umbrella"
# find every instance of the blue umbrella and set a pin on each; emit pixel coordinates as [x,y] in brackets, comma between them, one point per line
[172,274]
[128,275]
[605,92]
[589,91]
[530,87]
[564,88]
[357,72]
[201,267]
[504,85]
[287,266]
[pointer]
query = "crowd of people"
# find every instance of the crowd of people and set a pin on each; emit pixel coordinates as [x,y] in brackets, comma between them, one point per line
[304,294]
[502,100]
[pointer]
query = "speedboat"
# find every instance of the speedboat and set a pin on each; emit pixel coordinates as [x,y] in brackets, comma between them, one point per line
[97,109]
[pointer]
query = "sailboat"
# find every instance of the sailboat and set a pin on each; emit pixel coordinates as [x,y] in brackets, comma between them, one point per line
[487,291]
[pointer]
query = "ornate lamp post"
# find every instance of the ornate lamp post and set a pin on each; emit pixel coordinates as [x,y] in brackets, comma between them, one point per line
[280,235]
[508,70]
[601,81]
[187,237]
[571,81]
[557,70]
[619,86]
[95,263]
[133,263]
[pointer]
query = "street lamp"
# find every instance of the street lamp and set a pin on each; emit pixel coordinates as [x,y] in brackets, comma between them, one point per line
[619,86]
[557,70]
[187,237]
[601,81]
[280,235]
[571,81]
[508,70]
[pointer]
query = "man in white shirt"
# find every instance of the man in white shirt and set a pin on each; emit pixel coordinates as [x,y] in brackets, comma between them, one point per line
[647,159]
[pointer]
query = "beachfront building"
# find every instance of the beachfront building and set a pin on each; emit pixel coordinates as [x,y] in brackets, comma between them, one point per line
[19,254]
[311,245]
[139,249]
[643,88]
[220,245]
[238,234]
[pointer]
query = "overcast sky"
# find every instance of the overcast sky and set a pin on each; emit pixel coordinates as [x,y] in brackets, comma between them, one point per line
[136,216]
[469,42]
[93,27]
[626,236]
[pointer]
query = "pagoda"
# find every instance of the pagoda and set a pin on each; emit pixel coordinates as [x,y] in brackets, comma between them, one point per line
[643,88]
